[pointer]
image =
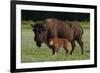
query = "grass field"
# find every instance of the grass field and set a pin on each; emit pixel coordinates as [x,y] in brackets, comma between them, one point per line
[31,53]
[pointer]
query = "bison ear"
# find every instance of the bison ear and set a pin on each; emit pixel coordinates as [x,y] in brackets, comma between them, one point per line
[32,25]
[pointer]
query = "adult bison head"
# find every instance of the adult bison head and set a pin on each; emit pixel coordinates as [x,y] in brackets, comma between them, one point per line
[40,31]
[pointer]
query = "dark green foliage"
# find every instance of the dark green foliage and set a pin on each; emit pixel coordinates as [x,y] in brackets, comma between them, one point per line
[41,15]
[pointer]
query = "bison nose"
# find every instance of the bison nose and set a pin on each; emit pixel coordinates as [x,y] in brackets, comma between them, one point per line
[38,44]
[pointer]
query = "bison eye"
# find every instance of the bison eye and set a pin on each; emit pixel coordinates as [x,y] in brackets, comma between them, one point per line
[43,29]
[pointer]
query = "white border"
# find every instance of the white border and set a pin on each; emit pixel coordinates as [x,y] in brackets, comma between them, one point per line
[51,64]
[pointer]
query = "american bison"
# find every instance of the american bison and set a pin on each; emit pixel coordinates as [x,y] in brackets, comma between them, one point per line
[57,43]
[52,28]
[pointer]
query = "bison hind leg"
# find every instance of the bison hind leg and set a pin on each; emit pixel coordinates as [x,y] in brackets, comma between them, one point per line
[81,45]
[73,46]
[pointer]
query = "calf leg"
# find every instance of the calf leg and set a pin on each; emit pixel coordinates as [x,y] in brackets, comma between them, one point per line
[54,50]
[57,50]
[66,50]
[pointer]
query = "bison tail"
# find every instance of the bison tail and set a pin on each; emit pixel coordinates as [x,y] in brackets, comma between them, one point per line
[82,29]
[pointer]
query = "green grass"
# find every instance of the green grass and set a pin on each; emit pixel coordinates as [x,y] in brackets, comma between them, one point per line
[31,53]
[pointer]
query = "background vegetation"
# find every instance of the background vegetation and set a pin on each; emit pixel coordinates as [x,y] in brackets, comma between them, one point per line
[41,15]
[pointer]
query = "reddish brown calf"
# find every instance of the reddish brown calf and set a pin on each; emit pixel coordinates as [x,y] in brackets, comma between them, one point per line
[58,43]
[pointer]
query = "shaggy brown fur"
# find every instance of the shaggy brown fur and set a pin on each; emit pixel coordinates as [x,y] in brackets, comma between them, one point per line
[55,28]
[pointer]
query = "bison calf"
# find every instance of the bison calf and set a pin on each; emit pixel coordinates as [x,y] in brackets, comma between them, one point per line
[57,43]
